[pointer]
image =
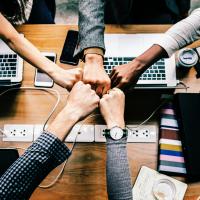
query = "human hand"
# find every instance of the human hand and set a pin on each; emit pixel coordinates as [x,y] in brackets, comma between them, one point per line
[82,100]
[66,78]
[124,75]
[112,108]
[95,75]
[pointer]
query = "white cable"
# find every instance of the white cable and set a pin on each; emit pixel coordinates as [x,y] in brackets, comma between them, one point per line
[184,86]
[46,121]
[33,88]
[150,116]
[71,151]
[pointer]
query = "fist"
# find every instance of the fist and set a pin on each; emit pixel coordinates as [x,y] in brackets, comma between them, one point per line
[82,100]
[95,75]
[112,108]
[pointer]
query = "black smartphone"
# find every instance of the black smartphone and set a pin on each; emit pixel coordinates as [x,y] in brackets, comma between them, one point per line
[7,157]
[67,55]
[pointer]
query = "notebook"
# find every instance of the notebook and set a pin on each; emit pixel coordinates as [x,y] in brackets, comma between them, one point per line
[188,113]
[170,153]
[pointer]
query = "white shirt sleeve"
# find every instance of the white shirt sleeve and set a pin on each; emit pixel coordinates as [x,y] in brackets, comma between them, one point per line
[181,34]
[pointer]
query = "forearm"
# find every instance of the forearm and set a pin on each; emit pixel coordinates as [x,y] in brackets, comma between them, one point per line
[62,124]
[181,34]
[24,48]
[21,179]
[150,56]
[91,25]
[31,54]
[119,185]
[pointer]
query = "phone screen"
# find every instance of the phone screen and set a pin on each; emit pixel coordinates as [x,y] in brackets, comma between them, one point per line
[67,55]
[42,76]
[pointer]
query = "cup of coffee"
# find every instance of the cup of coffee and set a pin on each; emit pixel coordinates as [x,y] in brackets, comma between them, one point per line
[187,58]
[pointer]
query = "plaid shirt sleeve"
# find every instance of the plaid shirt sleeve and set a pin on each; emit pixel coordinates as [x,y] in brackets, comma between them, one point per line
[24,175]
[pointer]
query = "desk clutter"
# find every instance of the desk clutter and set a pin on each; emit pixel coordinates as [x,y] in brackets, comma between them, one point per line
[178,152]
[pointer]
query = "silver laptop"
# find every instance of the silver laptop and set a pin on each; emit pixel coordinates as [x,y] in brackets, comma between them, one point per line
[122,48]
[11,66]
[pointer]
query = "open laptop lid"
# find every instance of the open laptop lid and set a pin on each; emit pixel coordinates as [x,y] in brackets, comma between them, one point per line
[5,49]
[188,113]
[133,45]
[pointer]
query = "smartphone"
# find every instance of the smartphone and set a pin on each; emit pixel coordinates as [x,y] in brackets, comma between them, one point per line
[67,55]
[41,78]
[7,157]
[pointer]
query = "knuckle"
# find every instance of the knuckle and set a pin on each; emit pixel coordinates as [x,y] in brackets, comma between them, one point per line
[88,86]
[97,98]
[124,81]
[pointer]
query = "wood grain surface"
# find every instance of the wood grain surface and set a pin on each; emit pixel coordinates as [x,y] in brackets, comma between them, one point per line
[84,175]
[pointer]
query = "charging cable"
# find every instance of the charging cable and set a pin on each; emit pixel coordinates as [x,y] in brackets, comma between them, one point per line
[41,89]
[71,151]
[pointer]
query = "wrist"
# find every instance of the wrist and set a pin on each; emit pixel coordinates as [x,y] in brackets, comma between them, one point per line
[62,125]
[94,58]
[52,69]
[119,123]
[138,64]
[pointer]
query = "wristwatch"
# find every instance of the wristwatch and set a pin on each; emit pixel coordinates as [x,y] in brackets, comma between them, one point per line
[116,133]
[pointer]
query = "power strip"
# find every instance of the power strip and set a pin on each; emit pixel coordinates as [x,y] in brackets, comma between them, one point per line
[18,133]
[86,134]
[144,133]
[89,133]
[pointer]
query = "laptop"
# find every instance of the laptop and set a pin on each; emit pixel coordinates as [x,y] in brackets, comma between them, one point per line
[122,48]
[11,67]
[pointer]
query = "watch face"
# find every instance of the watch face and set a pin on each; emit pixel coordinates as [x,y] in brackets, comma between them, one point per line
[116,133]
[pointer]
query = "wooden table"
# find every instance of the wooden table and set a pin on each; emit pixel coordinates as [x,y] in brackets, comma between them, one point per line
[84,176]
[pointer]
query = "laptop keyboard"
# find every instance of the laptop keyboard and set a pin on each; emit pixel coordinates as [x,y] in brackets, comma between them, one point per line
[8,65]
[155,72]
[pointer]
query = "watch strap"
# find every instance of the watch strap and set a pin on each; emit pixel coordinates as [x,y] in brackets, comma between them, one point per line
[93,50]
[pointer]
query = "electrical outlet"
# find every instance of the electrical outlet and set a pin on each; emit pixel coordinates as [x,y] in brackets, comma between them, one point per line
[144,133]
[18,132]
[86,134]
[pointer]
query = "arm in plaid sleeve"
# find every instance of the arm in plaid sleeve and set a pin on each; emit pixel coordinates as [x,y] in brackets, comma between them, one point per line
[21,179]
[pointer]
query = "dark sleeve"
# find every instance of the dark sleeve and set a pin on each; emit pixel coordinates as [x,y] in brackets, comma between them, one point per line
[118,176]
[91,25]
[27,172]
